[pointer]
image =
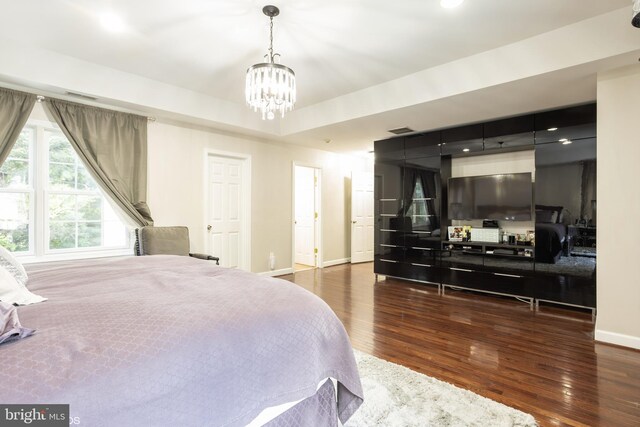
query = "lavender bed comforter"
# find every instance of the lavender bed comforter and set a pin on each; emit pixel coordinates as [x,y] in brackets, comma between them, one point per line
[173,341]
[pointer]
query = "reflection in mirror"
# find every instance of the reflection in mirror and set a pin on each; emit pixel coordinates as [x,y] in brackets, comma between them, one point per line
[566,207]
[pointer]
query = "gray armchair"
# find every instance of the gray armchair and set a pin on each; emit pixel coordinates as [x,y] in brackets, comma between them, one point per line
[166,241]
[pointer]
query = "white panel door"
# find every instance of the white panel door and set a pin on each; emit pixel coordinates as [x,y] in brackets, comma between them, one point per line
[361,217]
[305,215]
[225,210]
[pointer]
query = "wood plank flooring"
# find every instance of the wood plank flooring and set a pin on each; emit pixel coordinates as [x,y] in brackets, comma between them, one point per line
[544,363]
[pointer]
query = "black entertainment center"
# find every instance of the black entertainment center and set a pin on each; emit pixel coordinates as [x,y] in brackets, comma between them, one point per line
[417,200]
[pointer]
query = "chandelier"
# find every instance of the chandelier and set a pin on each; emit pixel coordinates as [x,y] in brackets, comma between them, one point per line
[270,87]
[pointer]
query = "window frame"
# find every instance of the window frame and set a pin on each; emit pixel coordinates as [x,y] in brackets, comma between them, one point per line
[38,208]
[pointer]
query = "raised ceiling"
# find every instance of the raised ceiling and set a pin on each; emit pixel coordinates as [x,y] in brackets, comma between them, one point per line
[362,66]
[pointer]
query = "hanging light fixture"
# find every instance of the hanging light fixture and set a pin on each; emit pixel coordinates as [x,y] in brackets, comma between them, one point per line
[270,87]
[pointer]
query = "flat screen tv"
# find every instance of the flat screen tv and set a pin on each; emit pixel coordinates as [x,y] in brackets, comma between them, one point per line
[505,197]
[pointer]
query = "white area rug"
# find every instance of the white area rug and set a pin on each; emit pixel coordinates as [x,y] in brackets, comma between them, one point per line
[395,396]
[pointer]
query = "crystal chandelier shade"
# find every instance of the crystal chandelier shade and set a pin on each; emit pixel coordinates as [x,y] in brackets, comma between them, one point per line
[270,87]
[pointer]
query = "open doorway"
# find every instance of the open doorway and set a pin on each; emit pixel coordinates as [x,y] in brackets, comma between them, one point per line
[306,218]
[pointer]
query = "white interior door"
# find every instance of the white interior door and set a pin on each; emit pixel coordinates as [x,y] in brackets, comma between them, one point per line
[225,210]
[305,215]
[361,217]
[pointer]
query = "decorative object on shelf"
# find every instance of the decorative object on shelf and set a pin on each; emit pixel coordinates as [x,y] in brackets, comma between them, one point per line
[485,235]
[531,237]
[270,87]
[466,230]
[490,223]
[456,234]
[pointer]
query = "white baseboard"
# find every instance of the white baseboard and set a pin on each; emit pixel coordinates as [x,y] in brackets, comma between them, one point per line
[618,339]
[273,273]
[336,262]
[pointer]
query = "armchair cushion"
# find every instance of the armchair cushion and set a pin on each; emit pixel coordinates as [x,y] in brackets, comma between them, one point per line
[152,240]
[163,240]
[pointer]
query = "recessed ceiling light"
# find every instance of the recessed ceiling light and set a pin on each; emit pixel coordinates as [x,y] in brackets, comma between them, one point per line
[552,129]
[449,4]
[465,150]
[567,142]
[112,22]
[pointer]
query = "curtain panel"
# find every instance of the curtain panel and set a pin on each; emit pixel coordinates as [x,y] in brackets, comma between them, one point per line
[430,182]
[588,199]
[15,108]
[113,147]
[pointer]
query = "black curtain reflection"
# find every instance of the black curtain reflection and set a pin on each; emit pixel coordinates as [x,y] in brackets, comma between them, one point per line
[588,191]
[429,181]
[409,178]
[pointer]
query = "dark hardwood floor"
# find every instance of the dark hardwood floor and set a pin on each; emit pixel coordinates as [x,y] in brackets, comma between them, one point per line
[544,363]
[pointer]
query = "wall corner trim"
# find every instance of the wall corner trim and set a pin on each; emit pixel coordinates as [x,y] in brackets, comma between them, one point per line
[617,339]
[336,262]
[274,273]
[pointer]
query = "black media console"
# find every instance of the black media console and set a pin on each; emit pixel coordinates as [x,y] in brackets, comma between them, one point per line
[411,210]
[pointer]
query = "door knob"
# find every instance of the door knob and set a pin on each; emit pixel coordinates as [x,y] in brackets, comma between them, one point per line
[209,228]
[353,222]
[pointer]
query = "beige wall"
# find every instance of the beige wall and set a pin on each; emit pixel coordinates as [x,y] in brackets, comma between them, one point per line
[489,164]
[176,189]
[618,273]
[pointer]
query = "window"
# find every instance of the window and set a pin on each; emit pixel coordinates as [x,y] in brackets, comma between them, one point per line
[16,195]
[418,211]
[50,205]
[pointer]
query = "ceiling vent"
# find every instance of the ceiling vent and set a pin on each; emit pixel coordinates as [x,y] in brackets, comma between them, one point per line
[79,95]
[400,131]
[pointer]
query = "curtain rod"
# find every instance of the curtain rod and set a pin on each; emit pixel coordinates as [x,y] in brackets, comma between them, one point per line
[42,98]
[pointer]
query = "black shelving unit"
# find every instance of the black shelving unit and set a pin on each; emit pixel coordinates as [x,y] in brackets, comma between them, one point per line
[412,210]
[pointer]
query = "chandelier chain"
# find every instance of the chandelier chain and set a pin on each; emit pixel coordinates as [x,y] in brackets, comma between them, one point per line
[271,39]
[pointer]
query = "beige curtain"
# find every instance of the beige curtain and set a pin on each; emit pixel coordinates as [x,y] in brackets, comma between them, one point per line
[15,108]
[113,147]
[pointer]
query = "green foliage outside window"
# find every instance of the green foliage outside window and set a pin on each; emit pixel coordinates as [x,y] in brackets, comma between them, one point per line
[14,172]
[74,219]
[72,200]
[14,209]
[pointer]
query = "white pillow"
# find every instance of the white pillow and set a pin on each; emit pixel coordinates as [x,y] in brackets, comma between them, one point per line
[13,292]
[13,266]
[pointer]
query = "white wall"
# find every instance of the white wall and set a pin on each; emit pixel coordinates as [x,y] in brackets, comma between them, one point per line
[618,273]
[176,189]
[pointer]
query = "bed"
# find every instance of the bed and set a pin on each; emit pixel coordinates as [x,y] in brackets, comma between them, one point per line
[551,233]
[551,238]
[167,340]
